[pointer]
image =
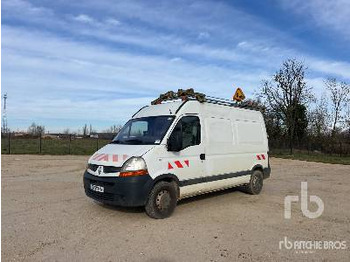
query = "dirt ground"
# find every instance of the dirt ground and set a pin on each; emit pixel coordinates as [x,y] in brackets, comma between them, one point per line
[47,217]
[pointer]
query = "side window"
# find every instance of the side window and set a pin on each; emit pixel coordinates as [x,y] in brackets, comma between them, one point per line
[191,131]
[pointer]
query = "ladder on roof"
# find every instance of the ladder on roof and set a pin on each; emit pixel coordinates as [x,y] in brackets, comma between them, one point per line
[189,94]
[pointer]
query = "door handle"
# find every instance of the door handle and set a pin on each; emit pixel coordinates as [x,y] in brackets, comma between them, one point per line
[202,156]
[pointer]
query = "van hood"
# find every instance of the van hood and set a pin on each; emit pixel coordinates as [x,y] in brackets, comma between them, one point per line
[117,154]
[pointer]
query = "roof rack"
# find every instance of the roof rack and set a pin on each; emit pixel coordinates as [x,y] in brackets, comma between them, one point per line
[249,104]
[189,94]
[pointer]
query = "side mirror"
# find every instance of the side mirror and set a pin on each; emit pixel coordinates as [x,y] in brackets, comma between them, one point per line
[175,141]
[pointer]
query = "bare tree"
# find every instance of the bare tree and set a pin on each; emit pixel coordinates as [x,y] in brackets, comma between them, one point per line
[319,118]
[286,93]
[35,129]
[85,130]
[92,130]
[114,129]
[347,120]
[339,99]
[66,131]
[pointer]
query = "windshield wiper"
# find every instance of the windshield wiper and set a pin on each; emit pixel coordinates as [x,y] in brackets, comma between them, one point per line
[116,142]
[134,140]
[128,141]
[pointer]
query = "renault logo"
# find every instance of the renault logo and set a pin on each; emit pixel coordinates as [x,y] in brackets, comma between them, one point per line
[99,170]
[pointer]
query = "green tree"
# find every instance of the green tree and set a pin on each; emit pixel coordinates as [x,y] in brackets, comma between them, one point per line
[301,122]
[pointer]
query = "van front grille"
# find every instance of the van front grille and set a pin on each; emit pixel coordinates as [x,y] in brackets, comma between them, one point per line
[106,169]
[101,183]
[100,196]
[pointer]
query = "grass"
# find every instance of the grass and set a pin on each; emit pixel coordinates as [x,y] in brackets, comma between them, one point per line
[312,157]
[85,146]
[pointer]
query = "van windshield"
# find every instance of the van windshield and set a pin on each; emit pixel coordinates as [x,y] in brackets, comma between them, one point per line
[144,131]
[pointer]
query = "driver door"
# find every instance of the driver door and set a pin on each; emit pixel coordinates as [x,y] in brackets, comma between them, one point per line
[186,164]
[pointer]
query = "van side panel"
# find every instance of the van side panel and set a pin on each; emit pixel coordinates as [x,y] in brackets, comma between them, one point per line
[218,146]
[235,142]
[188,191]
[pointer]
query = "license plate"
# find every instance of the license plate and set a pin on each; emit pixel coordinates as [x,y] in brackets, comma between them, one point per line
[96,188]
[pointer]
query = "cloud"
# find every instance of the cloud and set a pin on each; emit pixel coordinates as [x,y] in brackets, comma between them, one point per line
[176,59]
[84,19]
[24,7]
[330,68]
[112,21]
[63,79]
[332,15]
[87,59]
[203,35]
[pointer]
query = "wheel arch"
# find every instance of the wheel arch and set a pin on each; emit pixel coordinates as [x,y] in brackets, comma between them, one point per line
[169,177]
[258,167]
[265,171]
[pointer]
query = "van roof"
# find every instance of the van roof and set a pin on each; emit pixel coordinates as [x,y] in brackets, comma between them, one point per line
[172,107]
[168,108]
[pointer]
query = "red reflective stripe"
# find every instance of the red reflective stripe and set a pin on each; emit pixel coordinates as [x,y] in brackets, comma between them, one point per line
[125,157]
[95,156]
[100,156]
[187,163]
[258,157]
[115,158]
[170,166]
[263,156]
[178,164]
[103,157]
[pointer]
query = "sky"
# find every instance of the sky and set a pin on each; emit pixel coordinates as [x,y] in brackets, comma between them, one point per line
[67,63]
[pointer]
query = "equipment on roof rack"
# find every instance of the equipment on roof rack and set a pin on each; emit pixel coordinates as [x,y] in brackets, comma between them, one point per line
[184,95]
[190,94]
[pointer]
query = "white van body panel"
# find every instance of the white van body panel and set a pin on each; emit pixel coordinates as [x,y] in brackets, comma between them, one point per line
[233,140]
[197,189]
[116,154]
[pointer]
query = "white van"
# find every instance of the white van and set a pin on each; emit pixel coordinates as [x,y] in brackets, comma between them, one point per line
[178,149]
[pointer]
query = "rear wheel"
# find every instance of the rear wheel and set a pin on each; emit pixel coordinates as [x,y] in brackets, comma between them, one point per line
[162,200]
[255,184]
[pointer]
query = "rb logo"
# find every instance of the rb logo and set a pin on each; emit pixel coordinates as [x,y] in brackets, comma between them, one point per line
[304,204]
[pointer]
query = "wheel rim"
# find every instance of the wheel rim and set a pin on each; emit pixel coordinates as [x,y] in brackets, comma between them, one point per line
[163,200]
[256,183]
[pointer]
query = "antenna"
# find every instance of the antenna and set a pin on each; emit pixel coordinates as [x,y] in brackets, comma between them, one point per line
[4,116]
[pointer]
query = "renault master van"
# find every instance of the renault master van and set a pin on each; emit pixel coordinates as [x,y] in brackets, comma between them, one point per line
[180,148]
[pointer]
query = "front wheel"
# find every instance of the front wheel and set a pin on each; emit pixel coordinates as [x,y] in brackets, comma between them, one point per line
[162,200]
[255,184]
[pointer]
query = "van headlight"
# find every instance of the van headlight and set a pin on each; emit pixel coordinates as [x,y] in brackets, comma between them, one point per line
[134,166]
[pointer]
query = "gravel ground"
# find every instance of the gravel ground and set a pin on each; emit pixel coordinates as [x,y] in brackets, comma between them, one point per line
[47,217]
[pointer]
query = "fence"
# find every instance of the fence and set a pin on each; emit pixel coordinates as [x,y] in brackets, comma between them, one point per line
[58,144]
[327,146]
[62,144]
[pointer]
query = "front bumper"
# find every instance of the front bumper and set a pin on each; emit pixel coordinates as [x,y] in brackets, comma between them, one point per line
[119,191]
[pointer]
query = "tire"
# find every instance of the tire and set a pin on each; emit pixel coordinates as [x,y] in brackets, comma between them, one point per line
[255,184]
[162,200]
